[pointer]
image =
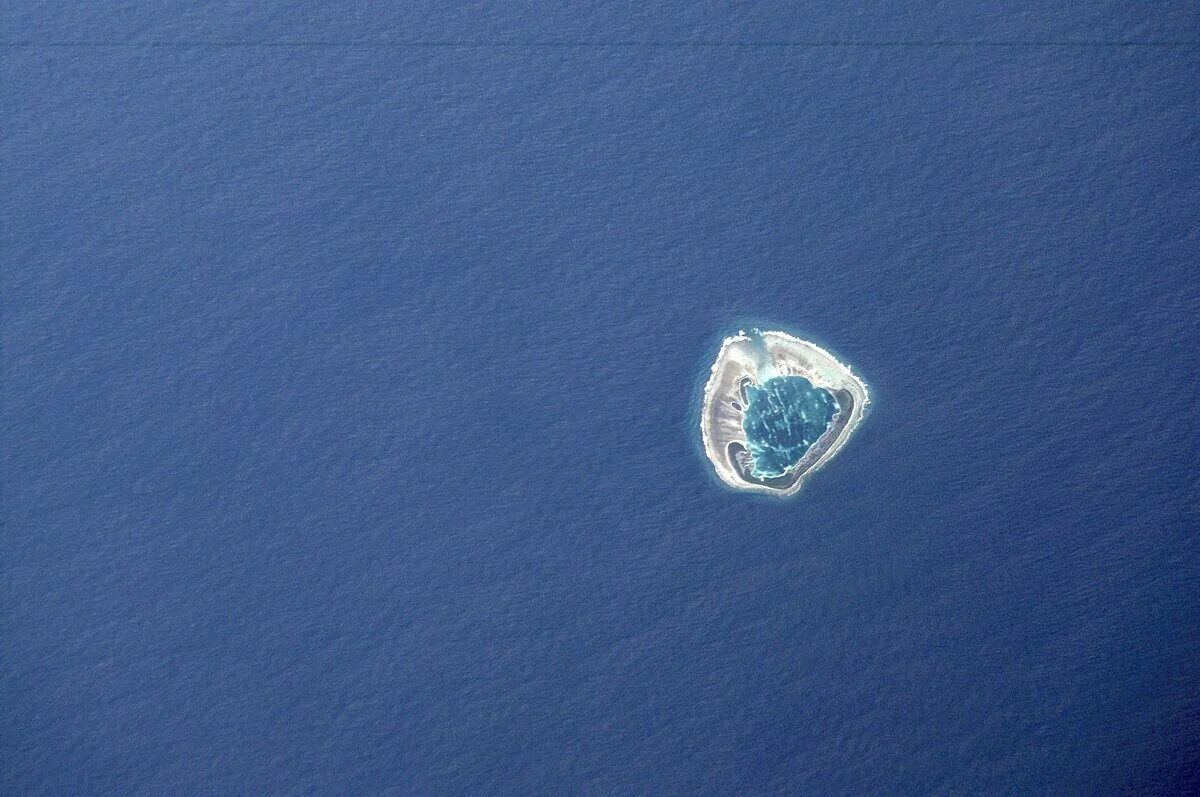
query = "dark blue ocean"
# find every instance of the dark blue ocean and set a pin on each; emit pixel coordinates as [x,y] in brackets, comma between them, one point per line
[352,359]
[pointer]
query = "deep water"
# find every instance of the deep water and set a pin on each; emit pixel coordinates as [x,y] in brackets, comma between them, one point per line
[783,418]
[351,372]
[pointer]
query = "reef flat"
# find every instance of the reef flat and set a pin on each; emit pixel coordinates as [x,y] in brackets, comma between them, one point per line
[776,409]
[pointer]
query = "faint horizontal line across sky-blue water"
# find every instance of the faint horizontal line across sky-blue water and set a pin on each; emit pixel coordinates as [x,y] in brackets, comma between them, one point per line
[386,44]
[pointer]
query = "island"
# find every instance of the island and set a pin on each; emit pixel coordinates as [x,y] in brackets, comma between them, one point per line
[776,409]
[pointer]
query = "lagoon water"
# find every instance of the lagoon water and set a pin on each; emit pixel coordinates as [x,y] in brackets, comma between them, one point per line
[351,371]
[783,418]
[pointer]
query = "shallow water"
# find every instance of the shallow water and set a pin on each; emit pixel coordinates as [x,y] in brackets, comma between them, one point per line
[784,417]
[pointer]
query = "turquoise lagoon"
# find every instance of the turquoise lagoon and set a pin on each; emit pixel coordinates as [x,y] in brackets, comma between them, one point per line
[784,417]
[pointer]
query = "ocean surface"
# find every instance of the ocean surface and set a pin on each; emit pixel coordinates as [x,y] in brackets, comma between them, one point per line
[352,361]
